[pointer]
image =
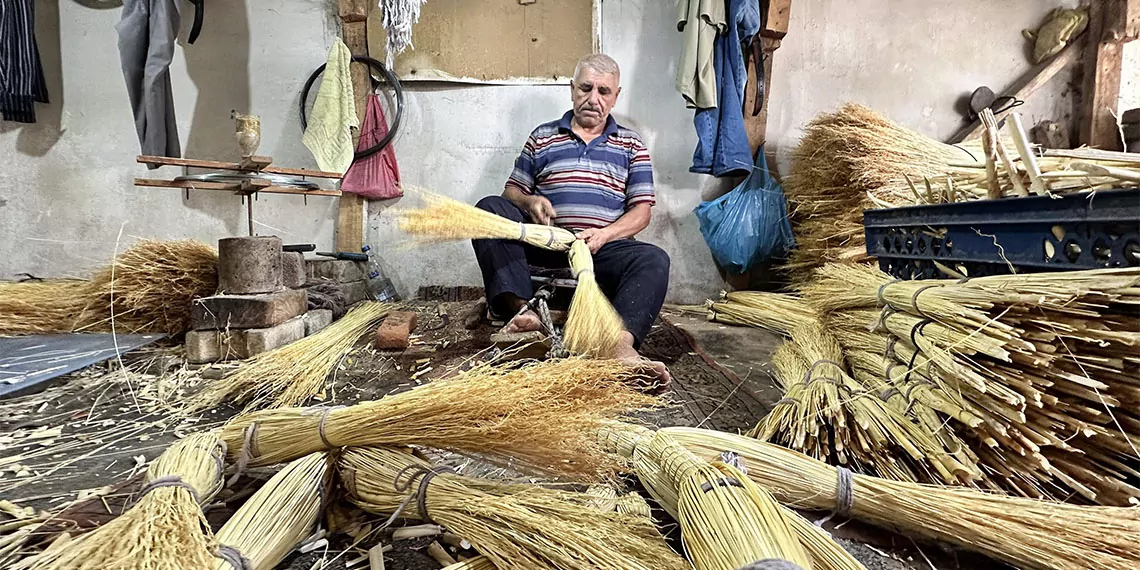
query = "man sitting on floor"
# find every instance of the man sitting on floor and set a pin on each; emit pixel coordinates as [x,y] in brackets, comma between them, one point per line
[586,173]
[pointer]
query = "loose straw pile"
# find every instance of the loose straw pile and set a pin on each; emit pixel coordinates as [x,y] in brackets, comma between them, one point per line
[278,517]
[444,219]
[296,372]
[148,288]
[165,529]
[515,529]
[538,416]
[593,327]
[1026,533]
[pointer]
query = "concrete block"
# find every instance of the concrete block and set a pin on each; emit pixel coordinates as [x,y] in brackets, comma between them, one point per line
[355,292]
[293,269]
[249,265]
[337,270]
[247,311]
[394,331]
[258,341]
[317,319]
[208,346]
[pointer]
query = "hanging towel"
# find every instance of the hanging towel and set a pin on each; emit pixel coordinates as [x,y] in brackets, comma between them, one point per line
[376,177]
[700,21]
[147,34]
[21,75]
[329,134]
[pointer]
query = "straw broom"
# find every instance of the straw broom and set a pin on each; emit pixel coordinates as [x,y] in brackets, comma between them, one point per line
[539,416]
[1026,533]
[279,516]
[292,374]
[515,529]
[165,529]
[148,288]
[593,327]
[444,219]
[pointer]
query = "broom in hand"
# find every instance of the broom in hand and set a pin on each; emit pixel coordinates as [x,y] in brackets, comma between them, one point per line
[444,219]
[593,327]
[540,416]
[165,529]
[516,527]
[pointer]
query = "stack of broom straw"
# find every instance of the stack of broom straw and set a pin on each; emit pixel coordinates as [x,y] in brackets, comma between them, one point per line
[293,374]
[148,288]
[514,526]
[164,529]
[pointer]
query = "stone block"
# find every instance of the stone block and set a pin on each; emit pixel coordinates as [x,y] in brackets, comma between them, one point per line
[293,269]
[247,311]
[219,345]
[338,270]
[355,292]
[258,341]
[316,320]
[209,346]
[249,265]
[394,331]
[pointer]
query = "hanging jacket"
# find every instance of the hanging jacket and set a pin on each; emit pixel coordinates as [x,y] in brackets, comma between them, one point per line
[21,75]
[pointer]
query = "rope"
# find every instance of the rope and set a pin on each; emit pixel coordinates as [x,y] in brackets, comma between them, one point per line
[883,316]
[882,290]
[426,474]
[787,401]
[234,557]
[885,395]
[590,271]
[844,495]
[248,452]
[321,426]
[522,231]
[167,481]
[914,299]
[722,482]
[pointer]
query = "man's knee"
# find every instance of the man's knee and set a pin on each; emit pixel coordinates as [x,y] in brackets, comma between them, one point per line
[496,205]
[655,260]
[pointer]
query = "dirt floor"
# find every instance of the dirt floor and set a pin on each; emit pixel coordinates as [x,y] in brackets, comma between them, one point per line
[84,440]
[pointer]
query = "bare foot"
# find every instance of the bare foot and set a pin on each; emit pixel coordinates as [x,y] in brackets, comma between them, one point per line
[524,322]
[660,377]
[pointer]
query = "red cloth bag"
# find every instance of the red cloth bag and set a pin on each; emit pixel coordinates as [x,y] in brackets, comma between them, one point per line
[375,177]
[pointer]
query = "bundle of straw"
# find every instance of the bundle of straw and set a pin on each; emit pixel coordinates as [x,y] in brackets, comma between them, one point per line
[148,288]
[776,312]
[165,529]
[444,219]
[538,416]
[296,372]
[593,327]
[1026,533]
[515,529]
[279,516]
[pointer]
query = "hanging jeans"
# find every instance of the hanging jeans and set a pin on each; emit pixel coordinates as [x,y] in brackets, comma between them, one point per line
[633,274]
[147,34]
[722,141]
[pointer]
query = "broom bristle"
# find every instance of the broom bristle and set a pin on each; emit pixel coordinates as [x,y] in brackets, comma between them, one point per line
[593,326]
[444,219]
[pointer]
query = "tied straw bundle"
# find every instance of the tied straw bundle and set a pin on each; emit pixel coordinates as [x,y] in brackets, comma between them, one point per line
[296,372]
[148,288]
[165,529]
[1026,533]
[278,517]
[539,416]
[593,327]
[444,219]
[515,527]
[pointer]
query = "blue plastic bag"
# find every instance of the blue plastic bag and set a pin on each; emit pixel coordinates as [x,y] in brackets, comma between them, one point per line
[749,224]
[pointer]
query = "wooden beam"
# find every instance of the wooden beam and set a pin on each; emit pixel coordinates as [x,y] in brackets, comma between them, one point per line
[352,211]
[757,126]
[236,166]
[353,10]
[776,21]
[1025,86]
[1103,65]
[254,186]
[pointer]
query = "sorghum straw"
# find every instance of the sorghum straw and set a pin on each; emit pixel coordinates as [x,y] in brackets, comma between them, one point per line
[445,219]
[538,416]
[593,327]
[514,528]
[294,373]
[148,288]
[776,312]
[280,515]
[1026,533]
[165,529]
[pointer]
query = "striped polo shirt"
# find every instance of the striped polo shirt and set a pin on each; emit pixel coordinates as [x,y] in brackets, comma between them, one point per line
[589,185]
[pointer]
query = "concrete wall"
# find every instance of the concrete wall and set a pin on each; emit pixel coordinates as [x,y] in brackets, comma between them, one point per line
[66,194]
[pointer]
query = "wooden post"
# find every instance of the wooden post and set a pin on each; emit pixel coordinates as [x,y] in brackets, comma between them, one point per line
[1111,23]
[352,211]
[775,28]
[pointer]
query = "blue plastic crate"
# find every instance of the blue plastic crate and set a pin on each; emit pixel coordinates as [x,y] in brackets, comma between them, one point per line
[991,237]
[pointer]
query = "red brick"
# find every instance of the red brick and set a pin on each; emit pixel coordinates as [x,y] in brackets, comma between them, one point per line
[393,332]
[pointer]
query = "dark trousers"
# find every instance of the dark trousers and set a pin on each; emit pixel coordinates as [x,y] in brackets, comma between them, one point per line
[633,274]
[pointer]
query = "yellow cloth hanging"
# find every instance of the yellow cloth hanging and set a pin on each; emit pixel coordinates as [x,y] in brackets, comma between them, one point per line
[329,134]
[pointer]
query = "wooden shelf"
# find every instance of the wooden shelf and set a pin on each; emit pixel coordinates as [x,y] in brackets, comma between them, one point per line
[247,187]
[251,164]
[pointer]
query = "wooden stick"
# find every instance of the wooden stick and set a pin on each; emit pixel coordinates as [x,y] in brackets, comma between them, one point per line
[1129,174]
[1094,154]
[1021,141]
[440,554]
[256,186]
[237,166]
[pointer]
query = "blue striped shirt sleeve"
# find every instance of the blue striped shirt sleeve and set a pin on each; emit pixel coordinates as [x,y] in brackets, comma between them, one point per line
[639,186]
[522,177]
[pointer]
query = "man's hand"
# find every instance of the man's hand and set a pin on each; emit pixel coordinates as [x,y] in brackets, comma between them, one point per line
[540,209]
[595,238]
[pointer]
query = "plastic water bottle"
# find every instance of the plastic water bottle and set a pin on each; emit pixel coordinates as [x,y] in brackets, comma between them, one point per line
[379,286]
